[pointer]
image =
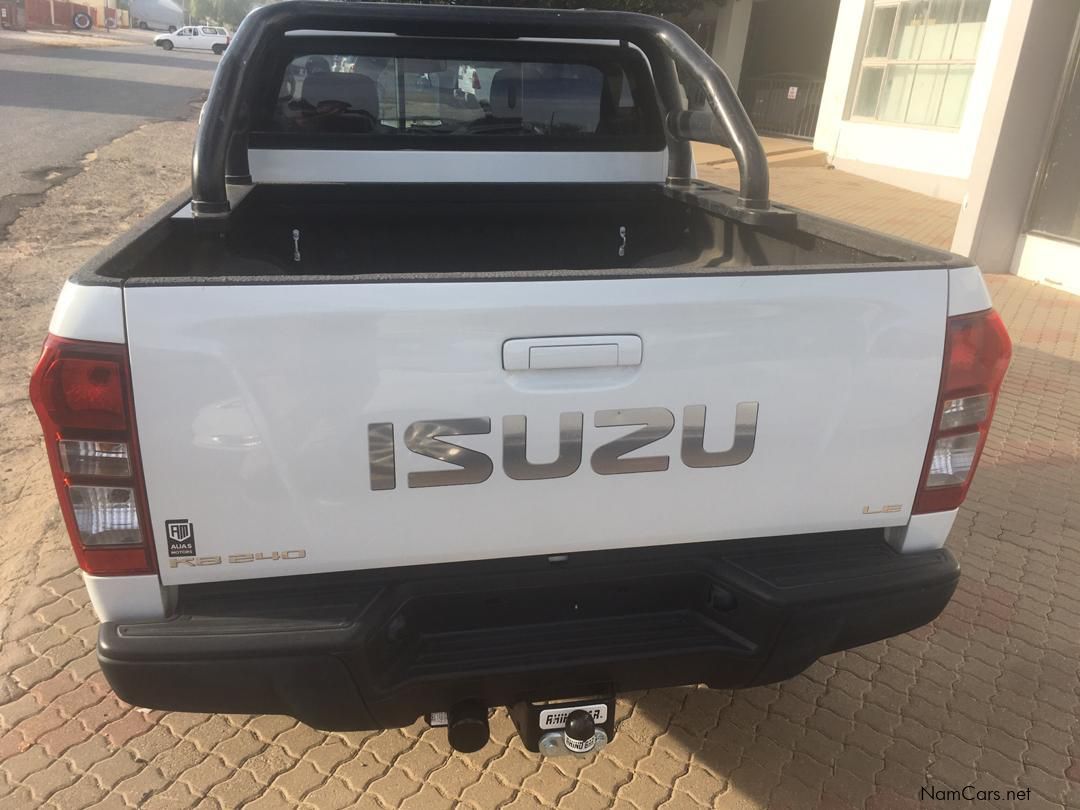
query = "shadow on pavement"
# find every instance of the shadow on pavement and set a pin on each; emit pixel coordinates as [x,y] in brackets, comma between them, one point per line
[157,58]
[986,695]
[50,91]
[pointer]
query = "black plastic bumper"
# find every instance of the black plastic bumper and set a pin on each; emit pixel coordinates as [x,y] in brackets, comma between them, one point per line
[378,649]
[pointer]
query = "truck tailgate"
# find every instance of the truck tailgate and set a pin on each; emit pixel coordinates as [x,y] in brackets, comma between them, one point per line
[264,414]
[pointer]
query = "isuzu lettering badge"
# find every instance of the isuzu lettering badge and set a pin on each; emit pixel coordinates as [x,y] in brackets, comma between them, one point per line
[427,438]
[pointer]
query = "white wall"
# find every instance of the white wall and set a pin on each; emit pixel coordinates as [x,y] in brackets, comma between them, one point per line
[1049,261]
[932,161]
[729,44]
[1015,130]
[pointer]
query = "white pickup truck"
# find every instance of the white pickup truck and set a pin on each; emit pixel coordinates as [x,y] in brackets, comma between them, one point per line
[419,405]
[195,37]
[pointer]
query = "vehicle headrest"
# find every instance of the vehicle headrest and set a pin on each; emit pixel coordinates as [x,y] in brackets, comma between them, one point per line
[505,89]
[317,64]
[573,101]
[358,91]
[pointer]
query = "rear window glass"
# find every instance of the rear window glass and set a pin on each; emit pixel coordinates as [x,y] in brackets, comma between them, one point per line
[381,96]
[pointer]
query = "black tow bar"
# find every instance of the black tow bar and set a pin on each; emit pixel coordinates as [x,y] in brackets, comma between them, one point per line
[467,726]
[560,728]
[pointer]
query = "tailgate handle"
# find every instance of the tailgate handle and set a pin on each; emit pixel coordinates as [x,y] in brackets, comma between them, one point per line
[584,351]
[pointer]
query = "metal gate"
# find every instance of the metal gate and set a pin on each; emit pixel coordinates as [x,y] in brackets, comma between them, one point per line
[783,104]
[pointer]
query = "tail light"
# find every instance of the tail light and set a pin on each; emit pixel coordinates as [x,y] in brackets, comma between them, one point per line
[977,352]
[82,394]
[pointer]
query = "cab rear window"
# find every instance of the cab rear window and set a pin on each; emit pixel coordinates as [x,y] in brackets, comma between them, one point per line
[369,95]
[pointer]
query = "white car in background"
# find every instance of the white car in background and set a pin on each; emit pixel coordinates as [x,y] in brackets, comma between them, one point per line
[195,37]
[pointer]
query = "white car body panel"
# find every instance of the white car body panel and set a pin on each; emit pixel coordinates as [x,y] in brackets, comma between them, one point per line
[89,313]
[253,403]
[922,533]
[133,598]
[967,291]
[429,166]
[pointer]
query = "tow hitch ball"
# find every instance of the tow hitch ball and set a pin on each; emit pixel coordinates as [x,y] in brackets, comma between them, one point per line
[566,728]
[580,736]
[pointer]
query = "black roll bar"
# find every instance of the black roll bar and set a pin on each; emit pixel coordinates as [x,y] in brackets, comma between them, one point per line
[220,144]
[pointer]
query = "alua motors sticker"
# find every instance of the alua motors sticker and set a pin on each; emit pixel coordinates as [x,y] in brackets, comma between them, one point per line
[180,536]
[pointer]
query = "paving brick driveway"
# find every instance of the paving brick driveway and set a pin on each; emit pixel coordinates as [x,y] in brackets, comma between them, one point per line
[987,696]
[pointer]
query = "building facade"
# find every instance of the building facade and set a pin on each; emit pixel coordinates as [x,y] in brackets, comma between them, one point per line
[906,90]
[973,101]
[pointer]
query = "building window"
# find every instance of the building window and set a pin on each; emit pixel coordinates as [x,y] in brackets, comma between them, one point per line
[1056,207]
[917,61]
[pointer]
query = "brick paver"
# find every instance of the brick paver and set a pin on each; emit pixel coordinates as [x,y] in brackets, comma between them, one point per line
[987,696]
[854,199]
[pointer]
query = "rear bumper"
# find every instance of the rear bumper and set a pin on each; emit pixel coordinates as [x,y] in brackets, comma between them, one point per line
[378,649]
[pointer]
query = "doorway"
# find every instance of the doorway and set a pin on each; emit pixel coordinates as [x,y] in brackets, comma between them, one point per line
[783,69]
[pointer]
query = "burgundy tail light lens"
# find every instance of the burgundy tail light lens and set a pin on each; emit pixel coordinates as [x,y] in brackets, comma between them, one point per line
[977,353]
[81,391]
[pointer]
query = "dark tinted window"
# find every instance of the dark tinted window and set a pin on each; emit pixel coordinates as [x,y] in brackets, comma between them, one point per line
[1057,202]
[378,96]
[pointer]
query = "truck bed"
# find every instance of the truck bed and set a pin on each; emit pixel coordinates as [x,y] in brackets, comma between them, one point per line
[413,232]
